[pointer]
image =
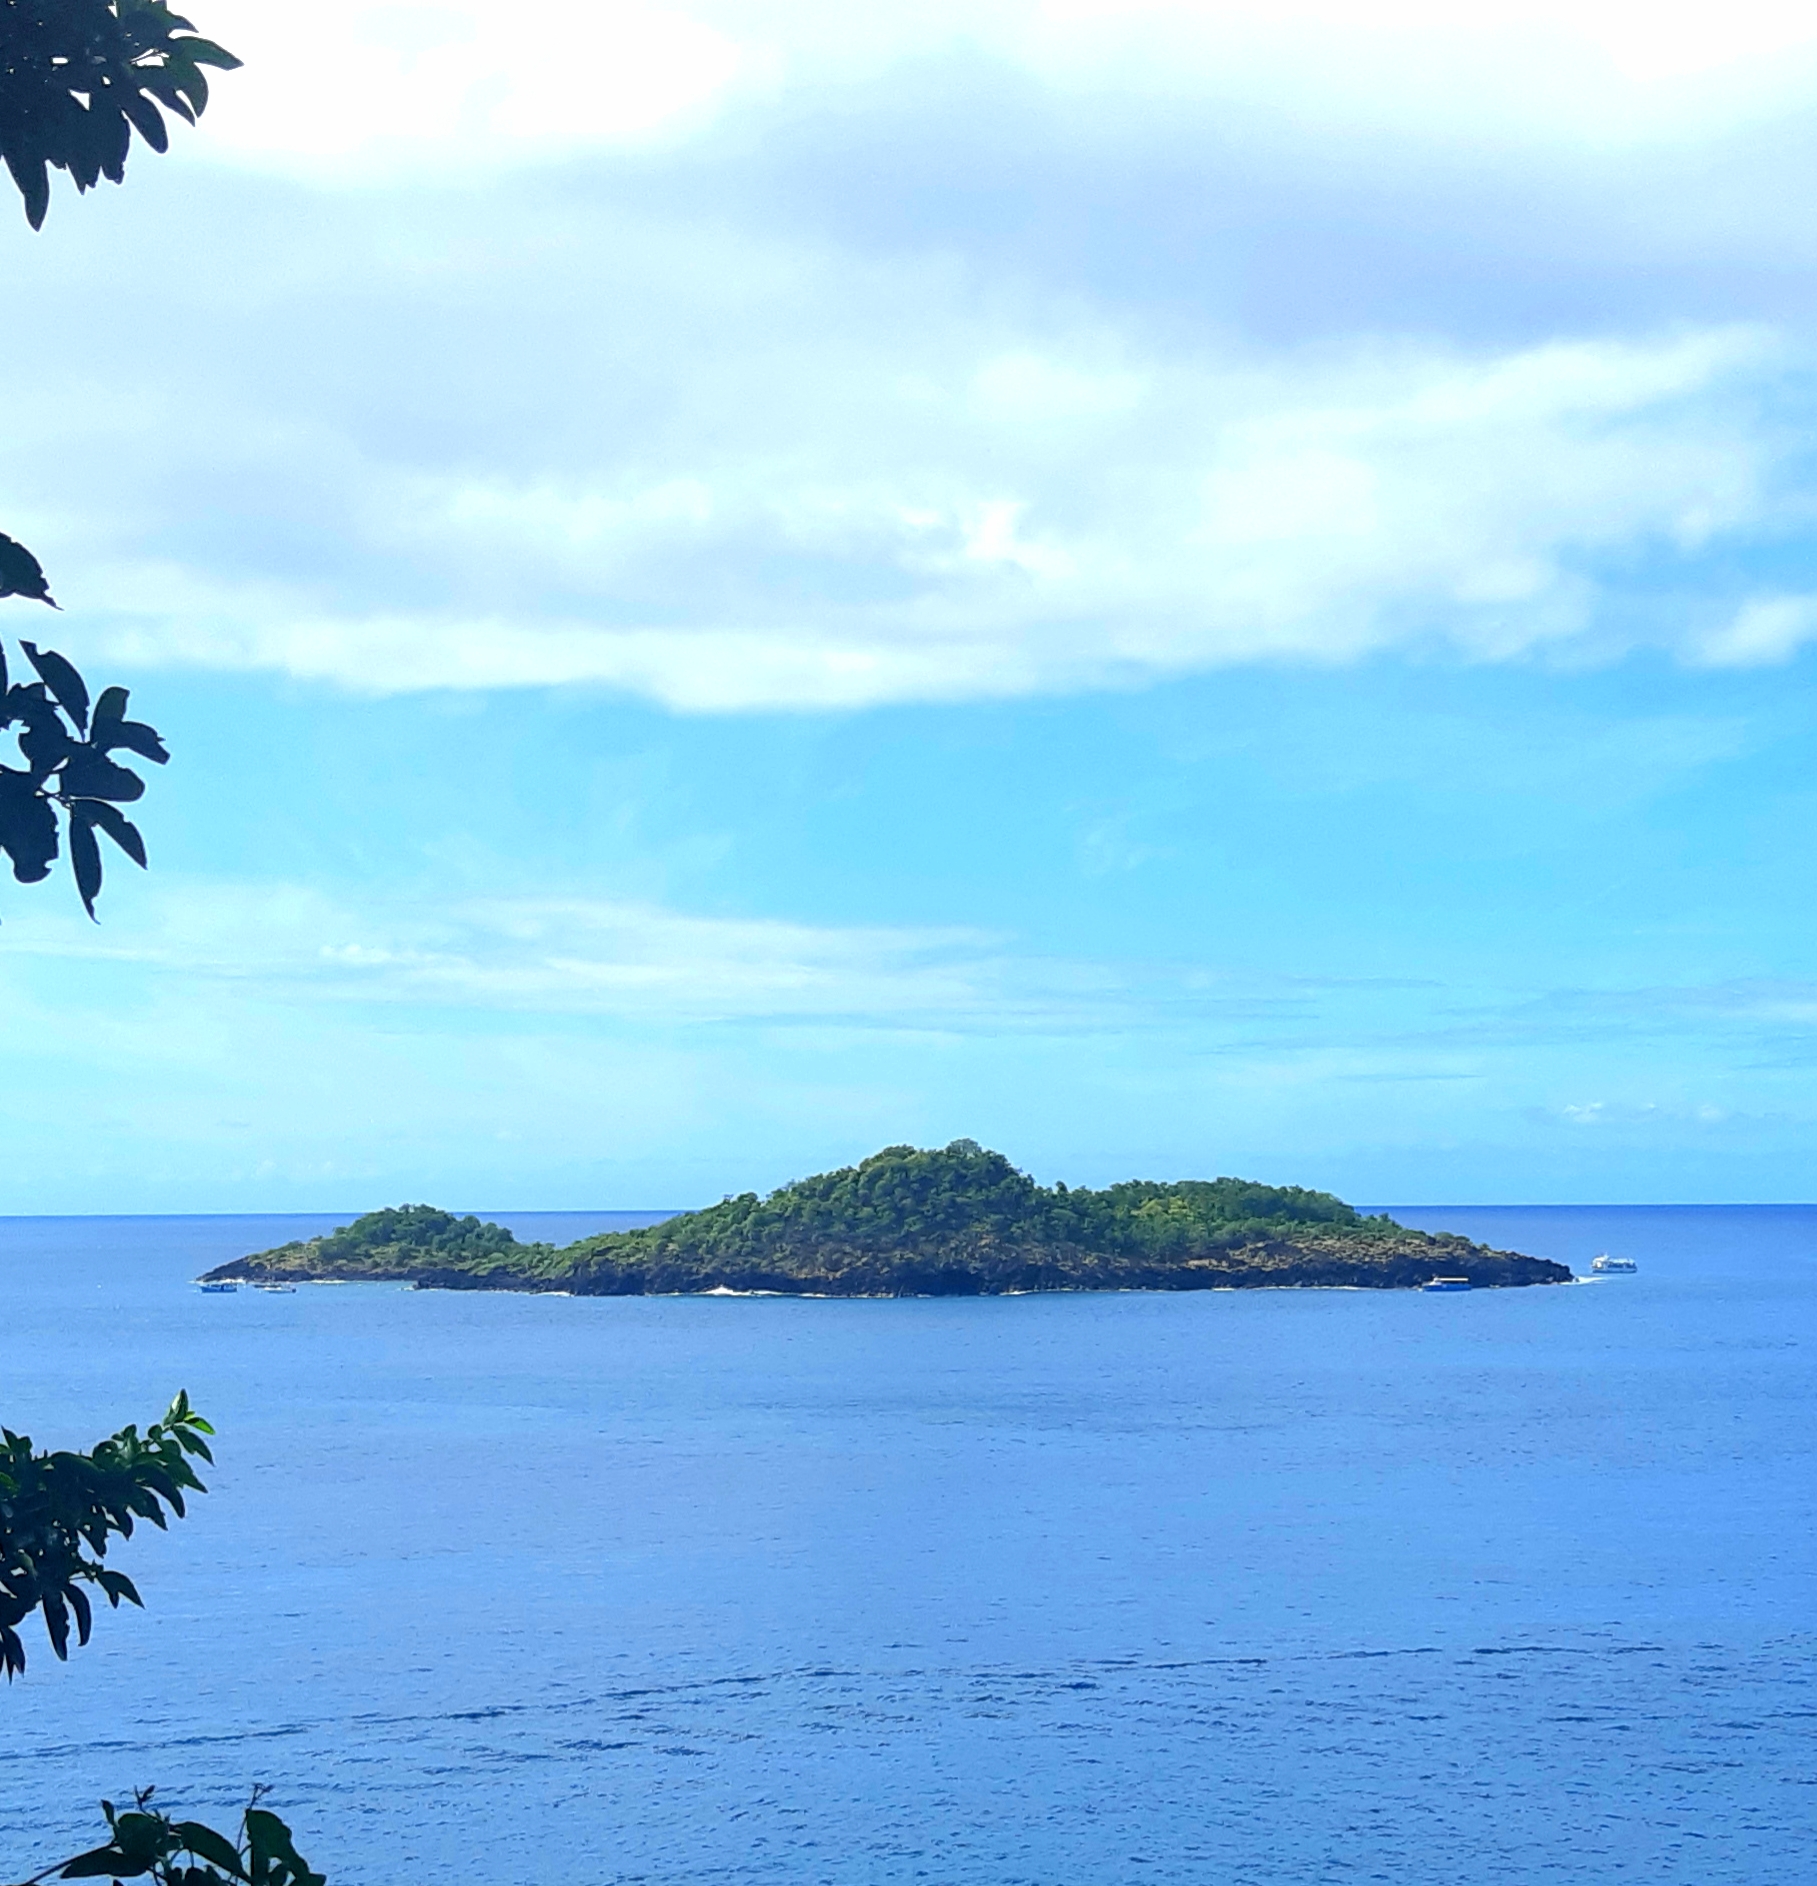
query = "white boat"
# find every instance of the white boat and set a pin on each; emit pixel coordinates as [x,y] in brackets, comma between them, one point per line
[1606,1265]
[1447,1283]
[217,1290]
[273,1284]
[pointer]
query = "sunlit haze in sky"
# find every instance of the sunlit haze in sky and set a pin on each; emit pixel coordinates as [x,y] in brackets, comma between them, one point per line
[1177,589]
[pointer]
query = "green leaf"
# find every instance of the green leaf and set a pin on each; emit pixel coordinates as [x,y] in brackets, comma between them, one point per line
[118,1586]
[206,52]
[101,1863]
[143,1838]
[56,1622]
[274,1857]
[216,1848]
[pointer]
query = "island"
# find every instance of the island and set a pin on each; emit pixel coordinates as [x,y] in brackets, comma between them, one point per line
[909,1222]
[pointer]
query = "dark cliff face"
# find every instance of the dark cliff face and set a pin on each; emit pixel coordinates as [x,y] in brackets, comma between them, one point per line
[957,1222]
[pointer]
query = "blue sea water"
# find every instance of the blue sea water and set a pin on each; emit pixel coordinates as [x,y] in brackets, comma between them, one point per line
[1253,1588]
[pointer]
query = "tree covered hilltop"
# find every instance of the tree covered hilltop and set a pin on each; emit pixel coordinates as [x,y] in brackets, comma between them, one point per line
[959,1221]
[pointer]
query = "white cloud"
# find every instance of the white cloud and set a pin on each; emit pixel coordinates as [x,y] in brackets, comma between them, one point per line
[1763,632]
[800,418]
[1669,1117]
[635,967]
[1770,1012]
[1019,523]
[361,88]
[357,90]
[634,963]
[1528,71]
[221,1044]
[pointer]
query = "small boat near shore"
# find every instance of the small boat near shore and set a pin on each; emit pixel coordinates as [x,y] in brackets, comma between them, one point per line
[1607,1266]
[1447,1283]
[273,1285]
[217,1290]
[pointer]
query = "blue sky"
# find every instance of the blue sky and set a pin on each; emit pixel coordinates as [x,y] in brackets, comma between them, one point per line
[1177,589]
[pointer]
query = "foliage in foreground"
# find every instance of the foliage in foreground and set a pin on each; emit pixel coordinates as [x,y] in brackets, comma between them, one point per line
[68,767]
[79,77]
[147,1844]
[59,1511]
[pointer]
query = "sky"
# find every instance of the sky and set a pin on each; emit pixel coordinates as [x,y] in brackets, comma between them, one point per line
[1174,588]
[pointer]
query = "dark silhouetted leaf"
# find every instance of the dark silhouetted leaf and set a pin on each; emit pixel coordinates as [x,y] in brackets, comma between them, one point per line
[142,1833]
[118,1587]
[21,574]
[274,1858]
[114,823]
[102,1863]
[28,827]
[56,1622]
[33,178]
[85,861]
[215,1848]
[45,742]
[91,775]
[147,120]
[78,77]
[205,52]
[145,1840]
[20,700]
[60,676]
[111,706]
[133,734]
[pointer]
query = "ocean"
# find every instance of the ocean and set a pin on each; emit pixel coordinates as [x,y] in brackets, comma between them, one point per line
[1256,1588]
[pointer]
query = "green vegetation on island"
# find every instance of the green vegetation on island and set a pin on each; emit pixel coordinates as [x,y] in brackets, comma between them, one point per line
[399,1242]
[959,1221]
